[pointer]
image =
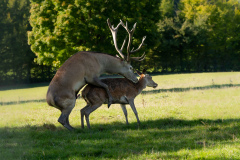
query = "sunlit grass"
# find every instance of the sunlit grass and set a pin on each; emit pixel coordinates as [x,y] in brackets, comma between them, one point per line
[30,93]
[189,116]
[198,79]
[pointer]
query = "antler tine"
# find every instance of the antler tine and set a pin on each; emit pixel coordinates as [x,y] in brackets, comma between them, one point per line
[123,43]
[114,34]
[130,33]
[139,58]
[134,27]
[140,46]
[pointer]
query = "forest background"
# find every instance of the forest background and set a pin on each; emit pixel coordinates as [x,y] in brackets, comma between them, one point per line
[37,36]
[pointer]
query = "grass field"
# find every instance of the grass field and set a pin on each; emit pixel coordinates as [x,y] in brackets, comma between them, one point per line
[188,116]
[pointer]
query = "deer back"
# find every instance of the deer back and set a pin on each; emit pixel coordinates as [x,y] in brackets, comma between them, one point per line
[121,87]
[118,87]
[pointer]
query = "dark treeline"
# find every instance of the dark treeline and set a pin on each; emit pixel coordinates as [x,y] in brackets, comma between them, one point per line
[17,65]
[200,36]
[37,36]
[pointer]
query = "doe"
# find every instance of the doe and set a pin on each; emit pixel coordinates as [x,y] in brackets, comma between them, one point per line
[122,90]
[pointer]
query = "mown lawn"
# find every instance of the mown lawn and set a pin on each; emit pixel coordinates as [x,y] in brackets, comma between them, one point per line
[188,116]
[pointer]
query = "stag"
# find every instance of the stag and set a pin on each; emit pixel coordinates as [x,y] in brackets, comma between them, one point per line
[85,68]
[122,90]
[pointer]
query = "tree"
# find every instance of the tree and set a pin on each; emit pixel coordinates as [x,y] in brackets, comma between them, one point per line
[62,28]
[16,56]
[201,37]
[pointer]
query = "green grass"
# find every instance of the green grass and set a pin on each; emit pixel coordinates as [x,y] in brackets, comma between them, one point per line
[188,116]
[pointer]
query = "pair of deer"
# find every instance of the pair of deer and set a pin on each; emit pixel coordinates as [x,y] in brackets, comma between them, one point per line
[85,68]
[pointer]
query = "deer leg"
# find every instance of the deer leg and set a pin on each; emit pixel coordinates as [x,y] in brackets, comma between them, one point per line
[68,121]
[125,112]
[64,117]
[64,120]
[82,112]
[88,111]
[131,102]
[99,83]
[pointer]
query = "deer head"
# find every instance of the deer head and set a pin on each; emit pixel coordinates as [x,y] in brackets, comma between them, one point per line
[130,35]
[147,78]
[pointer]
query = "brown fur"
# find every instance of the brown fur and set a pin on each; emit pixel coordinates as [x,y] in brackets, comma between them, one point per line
[85,68]
[117,88]
[81,69]
[122,90]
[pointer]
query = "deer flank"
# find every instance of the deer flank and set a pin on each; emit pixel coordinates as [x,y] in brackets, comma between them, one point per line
[122,90]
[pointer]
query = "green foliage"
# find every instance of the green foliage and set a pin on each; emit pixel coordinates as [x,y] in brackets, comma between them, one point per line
[16,56]
[61,28]
[167,8]
[201,37]
[186,35]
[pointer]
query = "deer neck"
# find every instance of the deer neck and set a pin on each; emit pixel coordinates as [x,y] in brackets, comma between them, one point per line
[142,84]
[107,63]
[111,64]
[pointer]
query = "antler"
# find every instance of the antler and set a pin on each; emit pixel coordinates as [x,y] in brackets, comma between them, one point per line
[138,58]
[130,35]
[114,34]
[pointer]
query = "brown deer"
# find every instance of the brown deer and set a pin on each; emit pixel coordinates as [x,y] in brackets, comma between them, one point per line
[85,68]
[122,90]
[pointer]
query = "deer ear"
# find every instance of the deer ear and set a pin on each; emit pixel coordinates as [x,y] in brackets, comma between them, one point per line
[138,72]
[144,71]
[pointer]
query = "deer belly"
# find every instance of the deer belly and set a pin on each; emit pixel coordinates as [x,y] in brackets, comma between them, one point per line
[78,85]
[121,100]
[118,100]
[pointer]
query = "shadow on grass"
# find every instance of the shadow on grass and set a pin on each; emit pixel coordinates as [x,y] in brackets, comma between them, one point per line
[157,139]
[22,102]
[214,86]
[23,86]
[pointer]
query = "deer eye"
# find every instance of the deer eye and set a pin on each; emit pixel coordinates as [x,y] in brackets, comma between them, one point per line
[131,68]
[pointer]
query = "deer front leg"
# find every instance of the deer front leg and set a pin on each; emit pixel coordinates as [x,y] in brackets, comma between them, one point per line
[99,83]
[125,112]
[131,102]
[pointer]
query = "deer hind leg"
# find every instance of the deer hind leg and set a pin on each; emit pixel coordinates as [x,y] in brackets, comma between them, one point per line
[82,112]
[64,117]
[131,102]
[64,120]
[99,83]
[89,110]
[125,112]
